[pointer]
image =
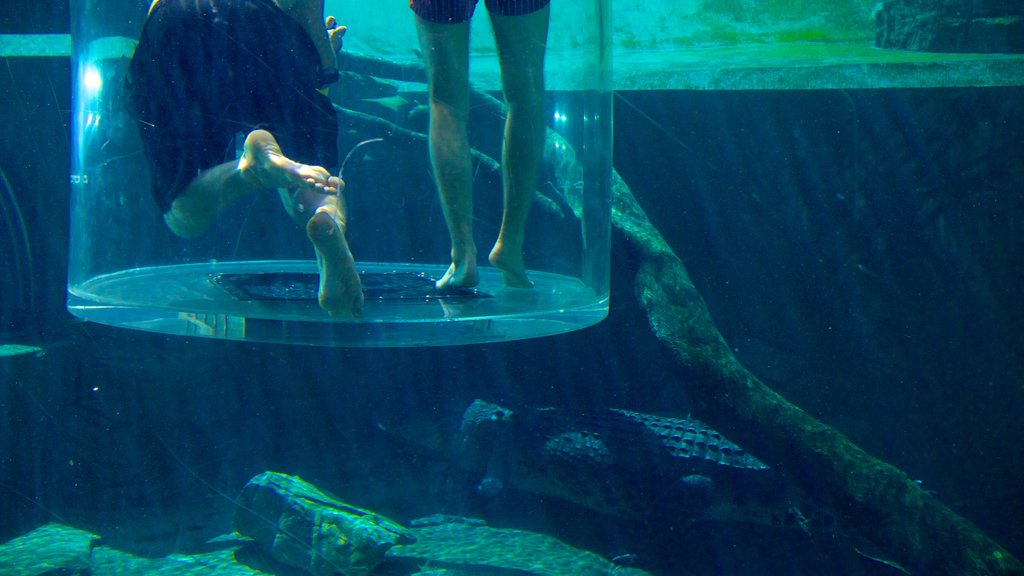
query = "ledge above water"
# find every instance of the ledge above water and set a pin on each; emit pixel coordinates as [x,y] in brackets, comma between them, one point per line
[810,66]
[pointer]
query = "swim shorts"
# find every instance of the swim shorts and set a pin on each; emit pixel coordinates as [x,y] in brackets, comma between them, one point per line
[456,11]
[205,71]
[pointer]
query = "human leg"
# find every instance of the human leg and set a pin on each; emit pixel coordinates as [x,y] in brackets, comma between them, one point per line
[312,198]
[317,204]
[267,77]
[521,43]
[445,50]
[341,291]
[262,166]
[213,190]
[281,96]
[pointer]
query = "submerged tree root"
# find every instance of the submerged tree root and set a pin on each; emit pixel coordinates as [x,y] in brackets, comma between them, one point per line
[871,500]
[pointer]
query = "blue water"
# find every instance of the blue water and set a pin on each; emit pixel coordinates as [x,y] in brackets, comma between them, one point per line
[859,250]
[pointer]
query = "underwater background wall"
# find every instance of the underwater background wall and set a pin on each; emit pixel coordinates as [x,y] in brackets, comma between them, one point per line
[851,216]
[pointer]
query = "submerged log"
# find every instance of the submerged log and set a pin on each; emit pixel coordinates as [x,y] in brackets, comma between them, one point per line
[378,67]
[300,525]
[874,502]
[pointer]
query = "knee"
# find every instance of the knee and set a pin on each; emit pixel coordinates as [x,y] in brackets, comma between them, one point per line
[184,226]
[525,97]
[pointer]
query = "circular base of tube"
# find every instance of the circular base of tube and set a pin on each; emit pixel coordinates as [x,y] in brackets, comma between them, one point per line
[200,300]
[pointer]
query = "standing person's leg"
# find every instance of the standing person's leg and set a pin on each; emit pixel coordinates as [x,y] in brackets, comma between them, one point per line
[445,48]
[521,43]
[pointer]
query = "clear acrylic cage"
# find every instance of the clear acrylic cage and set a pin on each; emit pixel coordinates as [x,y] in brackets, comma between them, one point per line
[252,275]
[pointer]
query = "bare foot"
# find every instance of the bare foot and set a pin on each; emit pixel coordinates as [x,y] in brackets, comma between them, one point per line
[510,262]
[341,292]
[263,162]
[461,274]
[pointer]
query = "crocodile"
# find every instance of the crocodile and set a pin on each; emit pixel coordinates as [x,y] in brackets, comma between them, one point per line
[618,462]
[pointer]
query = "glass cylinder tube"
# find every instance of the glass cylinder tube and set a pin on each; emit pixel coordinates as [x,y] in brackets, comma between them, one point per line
[252,274]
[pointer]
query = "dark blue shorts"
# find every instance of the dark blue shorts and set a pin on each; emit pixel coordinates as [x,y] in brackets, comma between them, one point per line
[206,70]
[455,11]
